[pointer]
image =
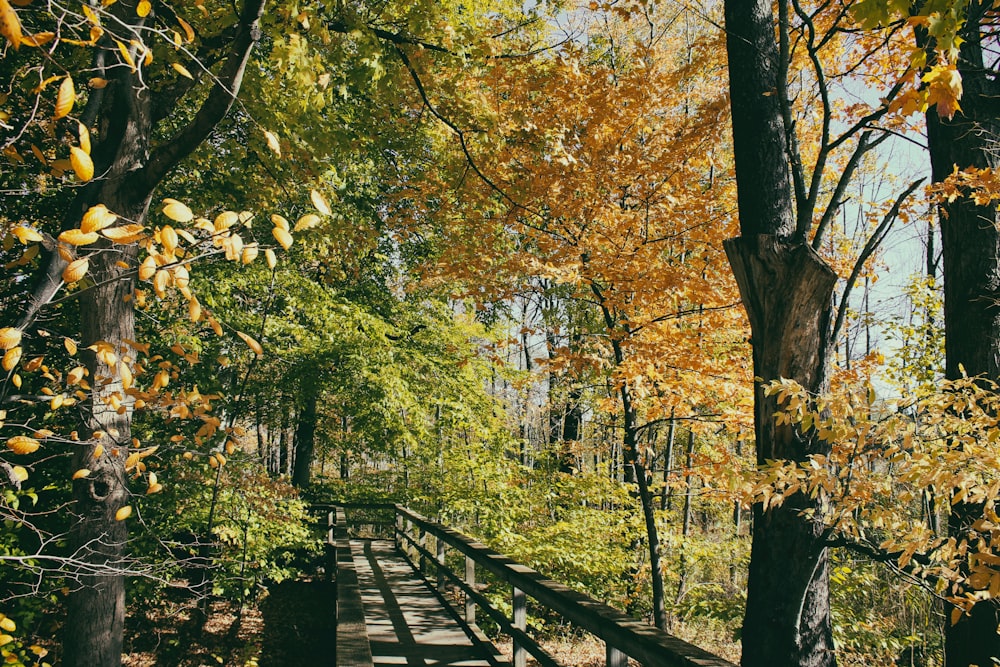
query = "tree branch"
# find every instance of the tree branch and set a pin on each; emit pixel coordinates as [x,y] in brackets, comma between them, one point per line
[220,100]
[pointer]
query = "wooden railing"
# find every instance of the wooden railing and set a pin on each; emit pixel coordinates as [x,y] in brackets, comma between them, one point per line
[426,545]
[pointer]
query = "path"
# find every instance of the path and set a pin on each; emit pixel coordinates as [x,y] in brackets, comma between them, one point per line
[406,623]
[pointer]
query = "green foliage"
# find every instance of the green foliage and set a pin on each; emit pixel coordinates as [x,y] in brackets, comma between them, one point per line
[261,532]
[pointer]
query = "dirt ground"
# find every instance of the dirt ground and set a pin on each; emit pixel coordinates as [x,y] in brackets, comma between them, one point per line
[293,624]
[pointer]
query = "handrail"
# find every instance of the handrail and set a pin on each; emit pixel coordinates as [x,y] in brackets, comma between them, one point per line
[352,647]
[622,634]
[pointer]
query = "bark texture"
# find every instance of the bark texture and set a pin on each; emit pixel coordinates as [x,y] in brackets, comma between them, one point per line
[127,170]
[971,258]
[786,290]
[305,442]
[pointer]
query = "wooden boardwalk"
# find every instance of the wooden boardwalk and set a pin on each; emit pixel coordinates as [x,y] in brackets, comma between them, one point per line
[405,622]
[389,614]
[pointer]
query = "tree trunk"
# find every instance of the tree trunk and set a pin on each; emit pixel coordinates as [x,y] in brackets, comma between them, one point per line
[686,518]
[668,462]
[971,256]
[787,293]
[96,607]
[305,442]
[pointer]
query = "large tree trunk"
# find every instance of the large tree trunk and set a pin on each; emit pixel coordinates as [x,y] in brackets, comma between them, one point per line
[97,603]
[786,290]
[971,255]
[127,171]
[305,442]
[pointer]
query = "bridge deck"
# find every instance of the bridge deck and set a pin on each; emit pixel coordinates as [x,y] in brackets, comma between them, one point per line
[405,621]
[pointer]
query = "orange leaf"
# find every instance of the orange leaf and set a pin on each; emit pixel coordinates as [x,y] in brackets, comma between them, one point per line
[77,269]
[10,25]
[251,343]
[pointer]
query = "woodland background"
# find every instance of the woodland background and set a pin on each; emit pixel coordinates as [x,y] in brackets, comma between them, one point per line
[598,283]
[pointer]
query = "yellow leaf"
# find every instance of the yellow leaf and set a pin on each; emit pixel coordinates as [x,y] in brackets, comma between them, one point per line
[280,221]
[177,211]
[10,358]
[10,25]
[188,30]
[272,259]
[98,451]
[22,444]
[194,310]
[160,281]
[225,220]
[20,474]
[78,237]
[38,39]
[27,235]
[148,268]
[97,83]
[65,98]
[77,269]
[154,488]
[319,201]
[282,236]
[123,513]
[83,166]
[81,473]
[308,221]
[183,71]
[7,624]
[97,218]
[249,253]
[75,375]
[9,337]
[124,234]
[251,343]
[70,345]
[124,51]
[126,375]
[84,138]
[216,327]
[57,401]
[272,142]
[143,8]
[91,16]
[168,237]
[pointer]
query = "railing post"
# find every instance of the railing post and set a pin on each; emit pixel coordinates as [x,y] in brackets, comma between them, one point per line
[470,581]
[440,560]
[331,546]
[520,621]
[409,534]
[422,541]
[400,542]
[615,658]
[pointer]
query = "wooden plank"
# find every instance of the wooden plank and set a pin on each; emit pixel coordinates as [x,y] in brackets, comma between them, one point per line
[407,624]
[353,648]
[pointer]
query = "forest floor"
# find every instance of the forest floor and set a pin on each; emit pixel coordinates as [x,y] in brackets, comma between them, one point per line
[292,625]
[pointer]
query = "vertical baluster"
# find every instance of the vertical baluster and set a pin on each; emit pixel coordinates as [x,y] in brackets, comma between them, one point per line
[470,580]
[400,542]
[422,540]
[440,560]
[615,658]
[520,621]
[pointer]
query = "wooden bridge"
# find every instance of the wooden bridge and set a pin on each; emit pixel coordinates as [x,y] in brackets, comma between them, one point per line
[407,594]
